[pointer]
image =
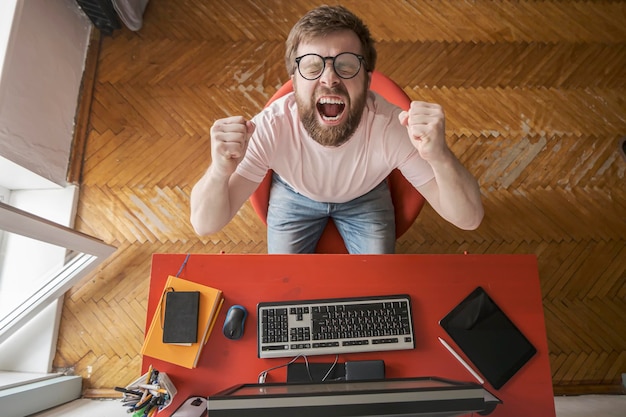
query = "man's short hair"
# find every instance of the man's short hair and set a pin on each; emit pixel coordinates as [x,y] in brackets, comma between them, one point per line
[323,21]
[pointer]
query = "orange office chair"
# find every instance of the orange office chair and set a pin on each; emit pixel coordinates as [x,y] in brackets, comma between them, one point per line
[407,201]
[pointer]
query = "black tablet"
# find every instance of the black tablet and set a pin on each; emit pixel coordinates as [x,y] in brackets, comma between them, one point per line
[488,337]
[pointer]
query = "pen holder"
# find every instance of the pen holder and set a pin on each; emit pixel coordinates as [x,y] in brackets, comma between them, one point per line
[149,390]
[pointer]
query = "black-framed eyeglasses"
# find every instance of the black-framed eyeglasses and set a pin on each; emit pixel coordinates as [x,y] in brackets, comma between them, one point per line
[346,65]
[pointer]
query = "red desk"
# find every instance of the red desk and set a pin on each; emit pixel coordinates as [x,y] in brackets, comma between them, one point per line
[436,284]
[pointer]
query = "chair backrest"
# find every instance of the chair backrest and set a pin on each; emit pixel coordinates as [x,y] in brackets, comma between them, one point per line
[407,201]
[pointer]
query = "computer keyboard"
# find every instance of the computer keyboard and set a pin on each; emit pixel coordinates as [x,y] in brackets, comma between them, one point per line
[334,326]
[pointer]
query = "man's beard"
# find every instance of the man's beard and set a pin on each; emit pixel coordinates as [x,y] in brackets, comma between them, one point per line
[332,135]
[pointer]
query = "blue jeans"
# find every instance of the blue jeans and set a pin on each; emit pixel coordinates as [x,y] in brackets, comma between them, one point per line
[295,222]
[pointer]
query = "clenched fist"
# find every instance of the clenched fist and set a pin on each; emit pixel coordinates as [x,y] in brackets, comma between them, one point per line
[229,141]
[425,123]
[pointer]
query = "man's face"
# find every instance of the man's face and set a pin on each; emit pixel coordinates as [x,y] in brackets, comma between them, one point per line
[331,107]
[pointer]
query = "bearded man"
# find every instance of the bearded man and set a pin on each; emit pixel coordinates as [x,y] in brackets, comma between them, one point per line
[331,145]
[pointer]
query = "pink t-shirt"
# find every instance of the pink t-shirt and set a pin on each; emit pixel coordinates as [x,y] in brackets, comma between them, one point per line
[332,174]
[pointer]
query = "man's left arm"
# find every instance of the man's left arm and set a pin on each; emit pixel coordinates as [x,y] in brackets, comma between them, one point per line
[453,193]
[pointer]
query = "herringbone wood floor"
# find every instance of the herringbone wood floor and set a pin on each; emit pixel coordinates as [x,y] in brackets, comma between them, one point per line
[534,94]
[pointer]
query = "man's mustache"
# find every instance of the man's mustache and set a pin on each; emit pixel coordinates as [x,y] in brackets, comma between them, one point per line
[325,91]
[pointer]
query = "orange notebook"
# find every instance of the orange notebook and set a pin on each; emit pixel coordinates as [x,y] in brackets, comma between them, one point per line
[211,300]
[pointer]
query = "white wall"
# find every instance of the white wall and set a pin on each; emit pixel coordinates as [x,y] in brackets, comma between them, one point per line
[46,44]
[16,177]
[40,84]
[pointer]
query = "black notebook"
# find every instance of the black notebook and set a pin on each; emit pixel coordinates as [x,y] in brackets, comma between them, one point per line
[180,324]
[488,337]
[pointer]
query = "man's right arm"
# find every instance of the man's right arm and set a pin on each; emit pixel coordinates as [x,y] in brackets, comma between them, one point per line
[216,199]
[219,194]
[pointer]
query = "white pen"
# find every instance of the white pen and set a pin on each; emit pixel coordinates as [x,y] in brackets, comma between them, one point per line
[460,359]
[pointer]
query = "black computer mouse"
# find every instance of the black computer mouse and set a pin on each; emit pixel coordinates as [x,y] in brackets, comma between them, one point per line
[234,322]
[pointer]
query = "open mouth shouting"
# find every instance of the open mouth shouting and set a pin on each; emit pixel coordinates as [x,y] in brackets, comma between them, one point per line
[331,109]
[331,116]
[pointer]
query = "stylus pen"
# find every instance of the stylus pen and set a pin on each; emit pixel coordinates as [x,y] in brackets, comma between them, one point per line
[460,359]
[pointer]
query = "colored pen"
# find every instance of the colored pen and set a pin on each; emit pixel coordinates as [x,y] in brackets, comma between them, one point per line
[460,359]
[128,391]
[149,374]
[148,386]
